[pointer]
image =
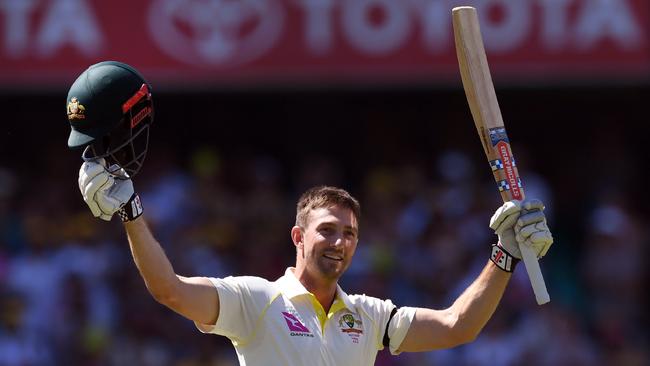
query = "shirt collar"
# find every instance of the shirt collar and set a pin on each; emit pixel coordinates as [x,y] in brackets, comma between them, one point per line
[291,287]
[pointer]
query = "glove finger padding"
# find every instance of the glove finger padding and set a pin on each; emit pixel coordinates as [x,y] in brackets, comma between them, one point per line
[116,195]
[502,222]
[530,217]
[106,192]
[90,190]
[95,184]
[537,236]
[94,208]
[107,203]
[100,197]
[505,216]
[541,239]
[525,232]
[118,172]
[87,172]
[532,204]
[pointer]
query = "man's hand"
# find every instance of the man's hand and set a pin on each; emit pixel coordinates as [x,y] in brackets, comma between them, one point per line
[107,193]
[519,223]
[531,229]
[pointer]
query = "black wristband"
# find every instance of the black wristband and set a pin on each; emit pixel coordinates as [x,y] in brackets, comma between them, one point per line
[132,209]
[502,258]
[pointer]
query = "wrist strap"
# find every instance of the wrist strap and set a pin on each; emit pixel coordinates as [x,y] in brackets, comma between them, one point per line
[502,258]
[132,209]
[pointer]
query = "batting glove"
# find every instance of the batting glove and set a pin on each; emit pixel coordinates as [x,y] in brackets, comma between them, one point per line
[107,193]
[531,229]
[519,223]
[506,254]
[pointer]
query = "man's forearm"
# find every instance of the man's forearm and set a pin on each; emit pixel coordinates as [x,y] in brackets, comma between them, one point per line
[149,257]
[479,301]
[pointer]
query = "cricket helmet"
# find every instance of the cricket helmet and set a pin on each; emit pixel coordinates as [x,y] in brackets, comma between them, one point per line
[110,109]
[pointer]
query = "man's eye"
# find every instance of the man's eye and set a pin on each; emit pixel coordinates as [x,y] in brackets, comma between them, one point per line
[326,231]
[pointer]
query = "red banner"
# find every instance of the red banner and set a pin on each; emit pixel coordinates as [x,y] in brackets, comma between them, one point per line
[178,43]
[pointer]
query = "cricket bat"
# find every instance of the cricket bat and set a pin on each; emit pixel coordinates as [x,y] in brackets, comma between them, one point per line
[483,103]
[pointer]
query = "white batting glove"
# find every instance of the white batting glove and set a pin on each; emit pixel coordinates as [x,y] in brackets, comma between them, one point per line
[506,253]
[531,229]
[522,223]
[106,193]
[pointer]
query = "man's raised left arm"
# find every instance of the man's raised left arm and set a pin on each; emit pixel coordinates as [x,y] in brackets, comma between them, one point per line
[516,223]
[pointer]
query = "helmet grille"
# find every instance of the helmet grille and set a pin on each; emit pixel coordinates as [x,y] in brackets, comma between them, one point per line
[126,145]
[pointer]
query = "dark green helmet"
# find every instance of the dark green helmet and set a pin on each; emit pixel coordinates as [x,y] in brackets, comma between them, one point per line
[110,109]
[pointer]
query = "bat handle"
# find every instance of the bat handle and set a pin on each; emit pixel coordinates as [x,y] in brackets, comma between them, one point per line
[535,275]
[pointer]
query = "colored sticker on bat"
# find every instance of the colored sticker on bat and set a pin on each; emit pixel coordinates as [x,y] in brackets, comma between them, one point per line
[497,135]
[496,164]
[503,185]
[514,183]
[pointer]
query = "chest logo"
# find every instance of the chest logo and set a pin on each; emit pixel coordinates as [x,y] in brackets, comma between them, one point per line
[351,325]
[296,327]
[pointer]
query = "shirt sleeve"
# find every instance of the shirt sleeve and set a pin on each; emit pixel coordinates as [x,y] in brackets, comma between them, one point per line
[241,301]
[399,326]
[380,311]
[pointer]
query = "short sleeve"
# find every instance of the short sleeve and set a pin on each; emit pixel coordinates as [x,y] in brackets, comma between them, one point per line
[399,326]
[241,301]
[380,310]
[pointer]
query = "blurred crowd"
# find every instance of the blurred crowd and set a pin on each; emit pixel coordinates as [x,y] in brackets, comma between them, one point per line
[71,295]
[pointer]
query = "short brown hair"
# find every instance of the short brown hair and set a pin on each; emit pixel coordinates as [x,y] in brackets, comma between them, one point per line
[324,196]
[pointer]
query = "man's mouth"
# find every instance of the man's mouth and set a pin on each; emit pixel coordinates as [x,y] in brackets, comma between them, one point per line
[334,257]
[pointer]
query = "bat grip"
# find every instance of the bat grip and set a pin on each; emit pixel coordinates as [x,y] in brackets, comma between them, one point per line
[530,260]
[535,275]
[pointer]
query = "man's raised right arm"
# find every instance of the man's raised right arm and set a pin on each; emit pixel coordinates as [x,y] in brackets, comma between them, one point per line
[107,194]
[193,297]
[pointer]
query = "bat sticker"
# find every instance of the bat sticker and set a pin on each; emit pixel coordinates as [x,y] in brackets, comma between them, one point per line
[503,185]
[503,151]
[497,135]
[496,164]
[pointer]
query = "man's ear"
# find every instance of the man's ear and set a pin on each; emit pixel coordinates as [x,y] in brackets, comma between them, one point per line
[296,236]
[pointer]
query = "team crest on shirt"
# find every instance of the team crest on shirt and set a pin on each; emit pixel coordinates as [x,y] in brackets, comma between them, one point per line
[352,325]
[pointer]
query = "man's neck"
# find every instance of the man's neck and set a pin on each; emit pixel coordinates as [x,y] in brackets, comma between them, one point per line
[323,290]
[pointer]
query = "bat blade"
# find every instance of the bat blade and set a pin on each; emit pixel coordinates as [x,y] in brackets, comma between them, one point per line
[482,100]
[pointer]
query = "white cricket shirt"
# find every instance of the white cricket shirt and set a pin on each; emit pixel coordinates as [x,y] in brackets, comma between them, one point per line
[281,323]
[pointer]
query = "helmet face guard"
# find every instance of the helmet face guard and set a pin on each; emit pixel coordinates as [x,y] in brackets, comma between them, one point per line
[126,145]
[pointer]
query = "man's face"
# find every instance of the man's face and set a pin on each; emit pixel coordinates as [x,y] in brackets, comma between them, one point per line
[329,241]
